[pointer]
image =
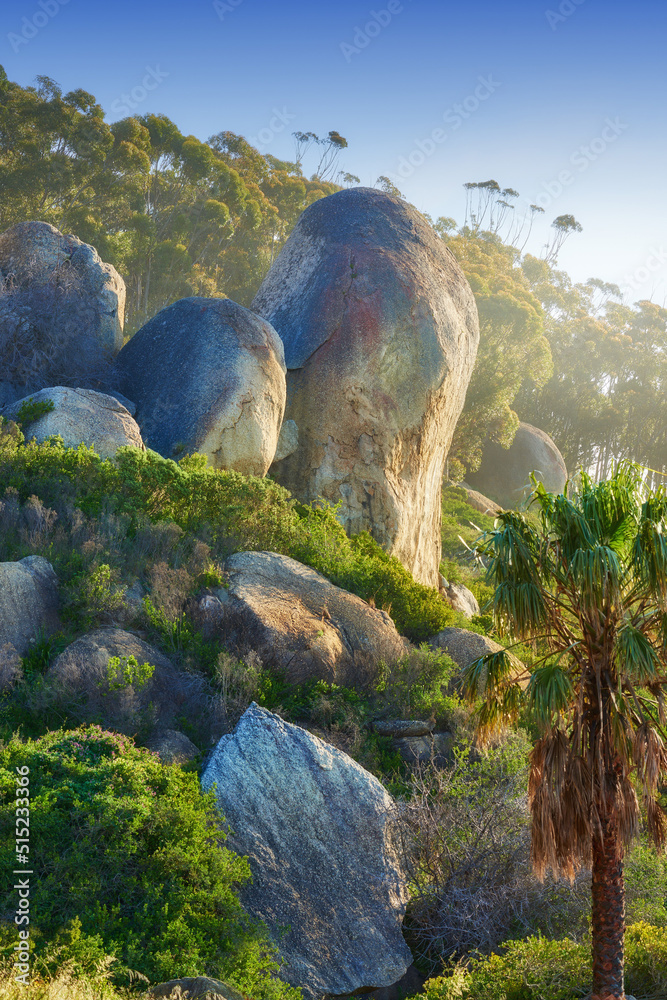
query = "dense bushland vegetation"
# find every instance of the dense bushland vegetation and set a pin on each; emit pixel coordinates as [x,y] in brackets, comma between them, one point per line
[178,216]
[127,861]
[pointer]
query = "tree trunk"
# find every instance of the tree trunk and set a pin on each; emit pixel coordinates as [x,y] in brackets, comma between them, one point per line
[608,914]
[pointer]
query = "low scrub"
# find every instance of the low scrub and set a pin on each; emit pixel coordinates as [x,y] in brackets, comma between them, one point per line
[222,509]
[128,862]
[539,969]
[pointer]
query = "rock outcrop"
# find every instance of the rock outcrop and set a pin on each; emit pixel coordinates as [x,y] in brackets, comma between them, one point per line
[80,416]
[207,375]
[459,598]
[47,271]
[172,746]
[299,622]
[481,503]
[81,675]
[200,988]
[317,830]
[380,331]
[504,474]
[28,602]
[463,647]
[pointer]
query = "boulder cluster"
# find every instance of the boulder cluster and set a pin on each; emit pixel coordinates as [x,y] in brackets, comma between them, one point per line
[345,383]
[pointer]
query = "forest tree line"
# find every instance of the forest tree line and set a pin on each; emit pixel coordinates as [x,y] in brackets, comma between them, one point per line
[178,216]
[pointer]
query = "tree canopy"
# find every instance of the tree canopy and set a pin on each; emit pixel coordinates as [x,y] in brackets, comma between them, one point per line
[588,583]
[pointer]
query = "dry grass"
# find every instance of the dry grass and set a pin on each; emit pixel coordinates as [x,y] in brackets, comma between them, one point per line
[62,986]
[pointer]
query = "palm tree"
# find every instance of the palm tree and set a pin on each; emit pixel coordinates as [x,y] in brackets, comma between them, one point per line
[588,582]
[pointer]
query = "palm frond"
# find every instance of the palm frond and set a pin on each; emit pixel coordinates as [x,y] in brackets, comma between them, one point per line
[489,675]
[636,655]
[550,691]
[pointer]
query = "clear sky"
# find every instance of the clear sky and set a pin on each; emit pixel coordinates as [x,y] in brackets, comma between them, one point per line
[563,100]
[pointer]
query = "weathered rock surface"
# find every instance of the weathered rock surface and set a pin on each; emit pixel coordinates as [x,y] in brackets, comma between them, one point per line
[8,393]
[80,416]
[481,503]
[36,253]
[172,746]
[200,988]
[424,749]
[317,830]
[28,601]
[81,673]
[380,330]
[207,375]
[403,727]
[299,622]
[461,599]
[504,474]
[463,647]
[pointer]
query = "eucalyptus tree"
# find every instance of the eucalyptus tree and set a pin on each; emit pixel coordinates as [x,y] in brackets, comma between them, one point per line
[589,583]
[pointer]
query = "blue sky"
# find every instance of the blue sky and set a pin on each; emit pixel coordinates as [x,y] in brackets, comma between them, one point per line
[563,100]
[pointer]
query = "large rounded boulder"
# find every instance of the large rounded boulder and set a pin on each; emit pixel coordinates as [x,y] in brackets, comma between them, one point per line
[504,474]
[207,375]
[298,622]
[79,416]
[62,307]
[319,834]
[380,331]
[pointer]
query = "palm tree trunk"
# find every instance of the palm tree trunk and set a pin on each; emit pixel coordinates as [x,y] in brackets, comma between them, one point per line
[608,914]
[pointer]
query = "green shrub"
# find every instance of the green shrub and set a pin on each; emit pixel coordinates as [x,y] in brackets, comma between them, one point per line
[539,969]
[460,521]
[32,409]
[225,509]
[127,862]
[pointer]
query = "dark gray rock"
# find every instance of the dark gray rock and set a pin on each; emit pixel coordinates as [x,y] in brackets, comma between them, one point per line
[299,622]
[434,748]
[28,602]
[206,375]
[380,330]
[8,393]
[172,746]
[403,727]
[504,475]
[317,829]
[81,674]
[58,268]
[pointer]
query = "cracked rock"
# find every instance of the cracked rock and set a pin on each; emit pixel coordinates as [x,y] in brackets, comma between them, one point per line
[318,833]
[298,621]
[380,331]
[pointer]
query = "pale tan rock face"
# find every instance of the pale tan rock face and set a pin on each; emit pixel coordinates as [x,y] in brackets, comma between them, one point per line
[81,416]
[299,622]
[207,375]
[504,474]
[33,251]
[381,332]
